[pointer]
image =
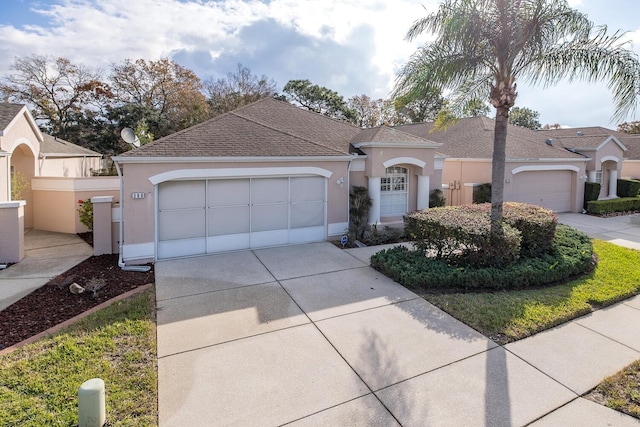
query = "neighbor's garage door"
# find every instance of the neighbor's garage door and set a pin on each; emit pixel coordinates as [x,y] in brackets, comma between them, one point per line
[207,216]
[549,189]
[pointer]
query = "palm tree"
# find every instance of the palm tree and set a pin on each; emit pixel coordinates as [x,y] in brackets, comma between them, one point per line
[482,47]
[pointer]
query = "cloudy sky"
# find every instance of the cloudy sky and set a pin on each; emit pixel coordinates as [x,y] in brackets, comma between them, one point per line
[351,46]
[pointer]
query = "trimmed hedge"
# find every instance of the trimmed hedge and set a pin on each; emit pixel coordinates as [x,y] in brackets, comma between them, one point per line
[482,193]
[571,255]
[623,204]
[536,224]
[462,236]
[628,188]
[591,192]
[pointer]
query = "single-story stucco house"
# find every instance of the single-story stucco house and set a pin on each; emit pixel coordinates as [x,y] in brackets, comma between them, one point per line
[538,169]
[53,174]
[266,174]
[612,154]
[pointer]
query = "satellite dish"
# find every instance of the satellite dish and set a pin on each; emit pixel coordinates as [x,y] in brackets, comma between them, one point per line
[130,137]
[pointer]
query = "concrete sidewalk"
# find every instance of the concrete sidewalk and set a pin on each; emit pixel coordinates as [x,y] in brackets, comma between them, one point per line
[621,230]
[310,335]
[47,254]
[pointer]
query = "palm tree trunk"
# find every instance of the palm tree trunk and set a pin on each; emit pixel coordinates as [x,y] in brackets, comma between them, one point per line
[498,166]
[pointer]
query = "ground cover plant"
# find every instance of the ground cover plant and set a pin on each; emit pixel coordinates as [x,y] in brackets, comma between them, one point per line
[621,391]
[39,382]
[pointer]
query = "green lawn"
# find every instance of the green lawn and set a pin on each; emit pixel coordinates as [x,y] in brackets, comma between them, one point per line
[511,315]
[39,382]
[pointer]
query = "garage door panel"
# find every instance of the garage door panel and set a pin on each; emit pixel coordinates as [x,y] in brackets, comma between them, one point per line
[269,217]
[261,239]
[228,242]
[549,189]
[270,190]
[181,248]
[181,195]
[228,192]
[215,215]
[229,220]
[181,224]
[307,214]
[306,189]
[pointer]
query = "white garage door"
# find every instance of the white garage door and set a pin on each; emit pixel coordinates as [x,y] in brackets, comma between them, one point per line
[549,189]
[208,216]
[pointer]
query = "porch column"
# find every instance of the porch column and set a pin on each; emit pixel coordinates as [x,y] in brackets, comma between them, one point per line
[613,183]
[423,192]
[374,194]
[592,176]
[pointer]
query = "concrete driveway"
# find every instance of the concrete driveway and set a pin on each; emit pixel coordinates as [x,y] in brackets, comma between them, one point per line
[310,335]
[620,230]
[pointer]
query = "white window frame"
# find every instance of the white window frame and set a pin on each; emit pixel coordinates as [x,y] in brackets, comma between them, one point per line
[395,183]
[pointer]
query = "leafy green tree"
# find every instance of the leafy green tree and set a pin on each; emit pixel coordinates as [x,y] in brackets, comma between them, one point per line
[475,107]
[373,112]
[319,99]
[237,89]
[419,103]
[524,117]
[481,48]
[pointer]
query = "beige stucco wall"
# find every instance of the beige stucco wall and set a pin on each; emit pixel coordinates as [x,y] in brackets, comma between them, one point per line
[11,232]
[376,156]
[68,166]
[474,171]
[4,177]
[139,214]
[55,200]
[631,169]
[458,172]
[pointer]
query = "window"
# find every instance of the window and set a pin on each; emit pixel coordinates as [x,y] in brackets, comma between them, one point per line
[599,177]
[393,191]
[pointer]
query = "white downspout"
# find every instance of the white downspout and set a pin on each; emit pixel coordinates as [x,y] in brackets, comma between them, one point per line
[121,263]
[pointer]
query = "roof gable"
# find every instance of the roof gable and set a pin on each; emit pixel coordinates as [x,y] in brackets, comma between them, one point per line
[266,128]
[52,146]
[472,137]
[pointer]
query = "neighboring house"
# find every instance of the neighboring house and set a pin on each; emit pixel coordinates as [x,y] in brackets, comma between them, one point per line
[51,173]
[266,174]
[612,154]
[537,170]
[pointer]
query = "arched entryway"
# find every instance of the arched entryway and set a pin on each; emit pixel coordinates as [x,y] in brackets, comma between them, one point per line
[22,170]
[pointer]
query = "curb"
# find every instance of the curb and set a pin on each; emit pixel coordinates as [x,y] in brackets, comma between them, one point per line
[54,329]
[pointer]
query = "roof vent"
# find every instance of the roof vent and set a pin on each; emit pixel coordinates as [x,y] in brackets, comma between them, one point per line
[579,133]
[549,141]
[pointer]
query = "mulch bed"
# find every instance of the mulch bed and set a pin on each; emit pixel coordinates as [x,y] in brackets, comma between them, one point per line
[54,303]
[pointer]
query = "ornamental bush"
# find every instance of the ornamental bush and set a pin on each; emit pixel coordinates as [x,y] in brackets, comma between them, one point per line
[623,204]
[536,224]
[591,192]
[461,235]
[571,255]
[85,211]
[628,188]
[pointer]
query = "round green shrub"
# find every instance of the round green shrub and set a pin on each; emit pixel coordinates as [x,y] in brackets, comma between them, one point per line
[571,255]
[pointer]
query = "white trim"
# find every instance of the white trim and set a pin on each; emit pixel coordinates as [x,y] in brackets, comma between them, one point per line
[12,204]
[24,111]
[95,183]
[101,199]
[404,160]
[247,159]
[338,228]
[438,164]
[138,251]
[609,158]
[28,143]
[471,184]
[398,144]
[614,139]
[236,173]
[545,168]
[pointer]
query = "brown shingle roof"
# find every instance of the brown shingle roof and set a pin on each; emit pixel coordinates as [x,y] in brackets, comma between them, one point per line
[472,137]
[56,146]
[592,137]
[266,128]
[8,112]
[385,134]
